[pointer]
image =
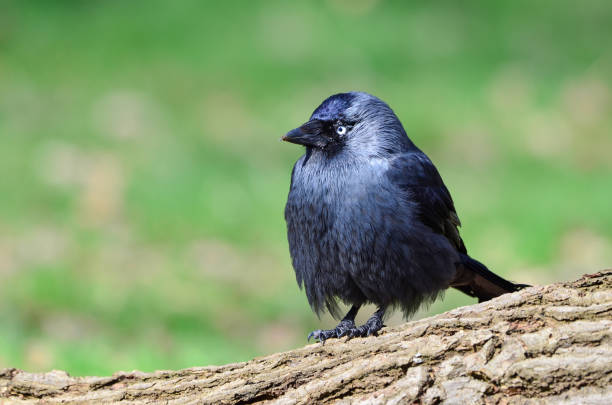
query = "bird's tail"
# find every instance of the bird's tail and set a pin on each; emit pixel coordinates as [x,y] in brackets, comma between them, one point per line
[476,280]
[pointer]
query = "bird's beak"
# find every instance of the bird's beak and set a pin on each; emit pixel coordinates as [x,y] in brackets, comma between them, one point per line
[306,135]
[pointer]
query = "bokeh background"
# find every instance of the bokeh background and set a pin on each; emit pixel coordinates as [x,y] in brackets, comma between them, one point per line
[142,183]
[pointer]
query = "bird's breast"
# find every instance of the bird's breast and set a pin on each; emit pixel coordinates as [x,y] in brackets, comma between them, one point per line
[337,210]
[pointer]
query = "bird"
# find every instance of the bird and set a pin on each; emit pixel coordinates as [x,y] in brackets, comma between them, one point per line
[370,221]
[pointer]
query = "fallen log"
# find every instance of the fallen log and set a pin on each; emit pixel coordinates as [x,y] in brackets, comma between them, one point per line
[544,344]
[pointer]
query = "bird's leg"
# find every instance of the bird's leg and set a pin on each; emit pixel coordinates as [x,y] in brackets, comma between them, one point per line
[372,325]
[346,325]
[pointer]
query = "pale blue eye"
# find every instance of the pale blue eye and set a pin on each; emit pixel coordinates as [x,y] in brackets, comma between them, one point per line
[341,130]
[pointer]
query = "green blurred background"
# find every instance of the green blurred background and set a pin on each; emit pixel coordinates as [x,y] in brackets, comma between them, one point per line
[142,181]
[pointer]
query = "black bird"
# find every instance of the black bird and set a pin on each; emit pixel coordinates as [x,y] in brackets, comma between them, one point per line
[369,219]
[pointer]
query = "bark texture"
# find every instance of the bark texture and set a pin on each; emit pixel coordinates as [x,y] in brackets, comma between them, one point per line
[548,344]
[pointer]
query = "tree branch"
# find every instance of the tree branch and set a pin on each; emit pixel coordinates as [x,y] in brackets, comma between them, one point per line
[549,343]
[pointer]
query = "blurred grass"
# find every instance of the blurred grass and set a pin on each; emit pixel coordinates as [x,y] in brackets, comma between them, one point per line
[143,185]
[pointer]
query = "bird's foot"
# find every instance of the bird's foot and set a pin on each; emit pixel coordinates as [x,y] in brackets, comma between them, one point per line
[343,329]
[370,328]
[348,328]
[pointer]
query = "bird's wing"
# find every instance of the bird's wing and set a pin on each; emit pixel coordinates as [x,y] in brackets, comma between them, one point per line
[417,176]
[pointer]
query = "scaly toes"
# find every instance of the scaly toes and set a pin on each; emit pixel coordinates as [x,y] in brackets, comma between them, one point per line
[357,332]
[370,328]
[322,335]
[372,331]
[344,327]
[373,327]
[347,328]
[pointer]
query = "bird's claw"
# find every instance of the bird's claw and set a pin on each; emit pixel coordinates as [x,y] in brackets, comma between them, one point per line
[370,328]
[343,328]
[348,329]
[322,335]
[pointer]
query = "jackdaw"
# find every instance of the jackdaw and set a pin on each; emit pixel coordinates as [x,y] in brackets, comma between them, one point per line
[369,219]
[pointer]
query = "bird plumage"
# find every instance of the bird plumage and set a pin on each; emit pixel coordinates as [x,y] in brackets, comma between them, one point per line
[369,219]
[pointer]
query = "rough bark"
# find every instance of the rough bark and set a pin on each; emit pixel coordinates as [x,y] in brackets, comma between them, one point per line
[548,344]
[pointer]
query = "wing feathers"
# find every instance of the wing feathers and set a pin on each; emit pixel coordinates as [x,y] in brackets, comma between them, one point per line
[415,174]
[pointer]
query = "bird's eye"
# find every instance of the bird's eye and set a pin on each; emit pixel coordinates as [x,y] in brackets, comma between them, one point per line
[341,130]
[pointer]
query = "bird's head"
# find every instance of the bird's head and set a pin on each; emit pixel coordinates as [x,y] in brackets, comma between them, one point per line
[355,121]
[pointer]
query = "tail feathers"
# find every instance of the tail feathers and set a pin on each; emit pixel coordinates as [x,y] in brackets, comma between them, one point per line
[476,280]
